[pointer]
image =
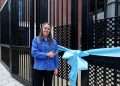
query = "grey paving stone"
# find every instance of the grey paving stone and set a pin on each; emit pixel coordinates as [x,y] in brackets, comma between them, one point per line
[6,79]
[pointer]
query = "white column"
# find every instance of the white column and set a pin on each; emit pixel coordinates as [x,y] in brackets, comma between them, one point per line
[35,18]
[110,8]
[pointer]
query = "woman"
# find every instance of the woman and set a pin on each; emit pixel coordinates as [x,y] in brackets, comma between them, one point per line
[44,52]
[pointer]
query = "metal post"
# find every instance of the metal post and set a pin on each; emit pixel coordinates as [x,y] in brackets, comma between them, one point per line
[105,9]
[10,53]
[0,34]
[0,29]
[35,32]
[116,8]
[74,23]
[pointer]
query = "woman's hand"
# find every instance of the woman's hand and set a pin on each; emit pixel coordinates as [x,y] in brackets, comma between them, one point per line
[51,54]
[56,72]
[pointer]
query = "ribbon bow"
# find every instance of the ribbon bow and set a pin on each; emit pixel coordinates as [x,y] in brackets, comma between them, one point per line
[77,63]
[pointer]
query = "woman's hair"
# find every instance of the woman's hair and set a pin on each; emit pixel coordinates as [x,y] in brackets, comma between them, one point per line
[49,35]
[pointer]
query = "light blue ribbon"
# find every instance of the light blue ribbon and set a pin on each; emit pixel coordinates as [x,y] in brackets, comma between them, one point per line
[77,63]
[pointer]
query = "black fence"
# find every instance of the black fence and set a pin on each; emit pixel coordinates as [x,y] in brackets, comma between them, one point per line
[101,33]
[107,32]
[18,61]
[104,71]
[63,35]
[21,64]
[17,30]
[16,35]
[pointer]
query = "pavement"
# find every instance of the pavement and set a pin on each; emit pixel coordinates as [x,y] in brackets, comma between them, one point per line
[6,79]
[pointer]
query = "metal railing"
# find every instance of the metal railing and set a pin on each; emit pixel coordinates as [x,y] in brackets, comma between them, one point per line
[19,62]
[103,71]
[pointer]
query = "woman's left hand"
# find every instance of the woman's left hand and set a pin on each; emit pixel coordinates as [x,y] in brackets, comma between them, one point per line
[56,72]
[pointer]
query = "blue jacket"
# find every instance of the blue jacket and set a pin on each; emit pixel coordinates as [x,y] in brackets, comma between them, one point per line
[40,48]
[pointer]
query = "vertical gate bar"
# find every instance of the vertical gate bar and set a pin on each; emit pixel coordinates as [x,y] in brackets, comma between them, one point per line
[115,21]
[22,15]
[105,8]
[57,79]
[0,34]
[10,30]
[27,66]
[26,33]
[96,10]
[19,9]
[34,10]
[66,12]
[66,36]
[62,40]
[57,12]
[27,27]
[28,44]
[54,22]
[49,11]
[22,55]
[20,12]
[30,63]
[21,59]
[28,15]
[53,12]
[116,7]
[25,62]
[29,41]
[22,63]
[53,19]
[59,58]
[74,23]
[25,14]
[29,23]
[54,80]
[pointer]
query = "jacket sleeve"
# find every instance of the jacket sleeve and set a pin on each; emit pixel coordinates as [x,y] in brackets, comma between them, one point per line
[57,61]
[36,52]
[57,57]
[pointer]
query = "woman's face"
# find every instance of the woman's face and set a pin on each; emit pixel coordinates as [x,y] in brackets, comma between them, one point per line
[46,30]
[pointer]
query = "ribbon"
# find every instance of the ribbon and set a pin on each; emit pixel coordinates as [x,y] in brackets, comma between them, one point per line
[77,63]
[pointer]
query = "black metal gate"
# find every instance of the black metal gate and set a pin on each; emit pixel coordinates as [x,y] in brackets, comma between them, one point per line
[104,33]
[97,22]
[20,23]
[16,34]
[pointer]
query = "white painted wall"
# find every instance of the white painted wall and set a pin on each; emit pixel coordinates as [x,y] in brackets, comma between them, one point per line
[111,10]
[100,15]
